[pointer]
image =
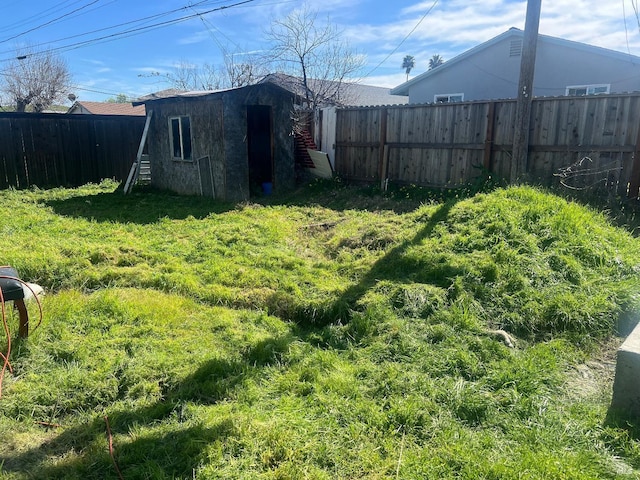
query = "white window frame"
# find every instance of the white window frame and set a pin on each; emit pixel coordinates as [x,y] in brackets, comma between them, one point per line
[186,144]
[439,98]
[589,89]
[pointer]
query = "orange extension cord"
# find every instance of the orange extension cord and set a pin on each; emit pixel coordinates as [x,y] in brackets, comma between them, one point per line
[5,357]
[111,452]
[6,364]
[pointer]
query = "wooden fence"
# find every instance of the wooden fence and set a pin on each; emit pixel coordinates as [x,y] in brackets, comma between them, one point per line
[50,150]
[579,142]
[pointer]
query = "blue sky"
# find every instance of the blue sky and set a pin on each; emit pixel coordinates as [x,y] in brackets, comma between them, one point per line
[383,31]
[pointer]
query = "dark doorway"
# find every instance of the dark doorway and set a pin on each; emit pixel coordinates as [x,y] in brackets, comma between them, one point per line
[259,147]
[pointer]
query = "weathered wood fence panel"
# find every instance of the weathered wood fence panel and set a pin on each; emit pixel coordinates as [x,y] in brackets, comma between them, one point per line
[361,132]
[577,141]
[66,150]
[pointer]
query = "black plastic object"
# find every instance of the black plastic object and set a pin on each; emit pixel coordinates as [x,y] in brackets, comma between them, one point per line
[11,289]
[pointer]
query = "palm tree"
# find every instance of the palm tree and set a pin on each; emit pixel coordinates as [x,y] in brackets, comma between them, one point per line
[435,61]
[408,62]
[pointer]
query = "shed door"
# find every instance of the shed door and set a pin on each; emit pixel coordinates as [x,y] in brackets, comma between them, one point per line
[259,145]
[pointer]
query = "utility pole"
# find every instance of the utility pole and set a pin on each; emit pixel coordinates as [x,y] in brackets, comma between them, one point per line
[520,152]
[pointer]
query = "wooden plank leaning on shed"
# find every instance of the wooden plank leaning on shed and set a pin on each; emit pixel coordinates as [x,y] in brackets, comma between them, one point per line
[135,168]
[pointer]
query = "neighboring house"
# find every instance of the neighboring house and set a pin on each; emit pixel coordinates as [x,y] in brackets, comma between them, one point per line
[491,71]
[340,94]
[106,108]
[227,144]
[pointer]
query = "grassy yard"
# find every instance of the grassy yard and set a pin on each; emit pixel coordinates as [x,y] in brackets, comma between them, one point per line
[330,334]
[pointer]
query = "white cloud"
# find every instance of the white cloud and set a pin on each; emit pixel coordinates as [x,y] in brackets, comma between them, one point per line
[454,26]
[372,27]
[197,37]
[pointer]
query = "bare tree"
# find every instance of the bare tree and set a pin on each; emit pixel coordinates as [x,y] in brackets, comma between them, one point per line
[120,98]
[38,79]
[187,76]
[242,69]
[314,52]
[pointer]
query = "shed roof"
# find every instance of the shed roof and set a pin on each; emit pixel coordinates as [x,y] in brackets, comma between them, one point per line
[208,93]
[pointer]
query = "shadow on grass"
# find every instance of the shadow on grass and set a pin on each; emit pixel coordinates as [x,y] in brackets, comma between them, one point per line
[140,207]
[339,195]
[623,420]
[394,265]
[172,443]
[146,205]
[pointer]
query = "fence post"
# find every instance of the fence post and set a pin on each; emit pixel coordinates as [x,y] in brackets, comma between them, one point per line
[520,150]
[488,139]
[634,179]
[382,163]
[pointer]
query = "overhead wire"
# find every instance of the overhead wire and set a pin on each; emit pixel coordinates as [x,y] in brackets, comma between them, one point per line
[34,17]
[210,28]
[626,31]
[403,40]
[141,29]
[634,5]
[49,22]
[159,15]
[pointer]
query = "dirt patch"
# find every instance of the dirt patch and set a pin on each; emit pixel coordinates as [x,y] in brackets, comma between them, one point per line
[593,379]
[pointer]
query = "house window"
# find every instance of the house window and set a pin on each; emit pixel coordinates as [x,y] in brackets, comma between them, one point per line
[448,98]
[577,90]
[180,137]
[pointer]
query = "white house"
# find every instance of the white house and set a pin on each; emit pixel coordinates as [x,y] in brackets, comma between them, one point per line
[491,71]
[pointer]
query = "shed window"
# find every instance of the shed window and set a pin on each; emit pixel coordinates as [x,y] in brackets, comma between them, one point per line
[180,137]
[577,90]
[448,97]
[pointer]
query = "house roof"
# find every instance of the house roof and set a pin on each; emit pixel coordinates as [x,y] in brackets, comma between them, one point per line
[513,32]
[107,108]
[351,94]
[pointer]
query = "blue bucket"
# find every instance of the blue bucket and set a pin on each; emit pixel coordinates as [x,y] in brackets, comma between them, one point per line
[267,188]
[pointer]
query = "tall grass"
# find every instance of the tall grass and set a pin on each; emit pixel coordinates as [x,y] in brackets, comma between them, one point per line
[343,337]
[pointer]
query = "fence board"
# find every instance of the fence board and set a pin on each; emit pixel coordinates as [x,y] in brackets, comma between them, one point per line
[66,150]
[448,144]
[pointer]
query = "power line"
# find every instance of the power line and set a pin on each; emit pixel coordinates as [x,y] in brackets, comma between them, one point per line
[626,31]
[50,21]
[143,19]
[37,16]
[634,4]
[133,31]
[84,89]
[404,39]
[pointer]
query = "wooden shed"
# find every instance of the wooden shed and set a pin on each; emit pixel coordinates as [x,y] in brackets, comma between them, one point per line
[229,144]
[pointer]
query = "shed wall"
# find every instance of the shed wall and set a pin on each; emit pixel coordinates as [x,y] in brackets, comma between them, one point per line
[207,139]
[219,142]
[235,124]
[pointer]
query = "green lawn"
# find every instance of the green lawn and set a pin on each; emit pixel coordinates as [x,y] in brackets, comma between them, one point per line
[331,334]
